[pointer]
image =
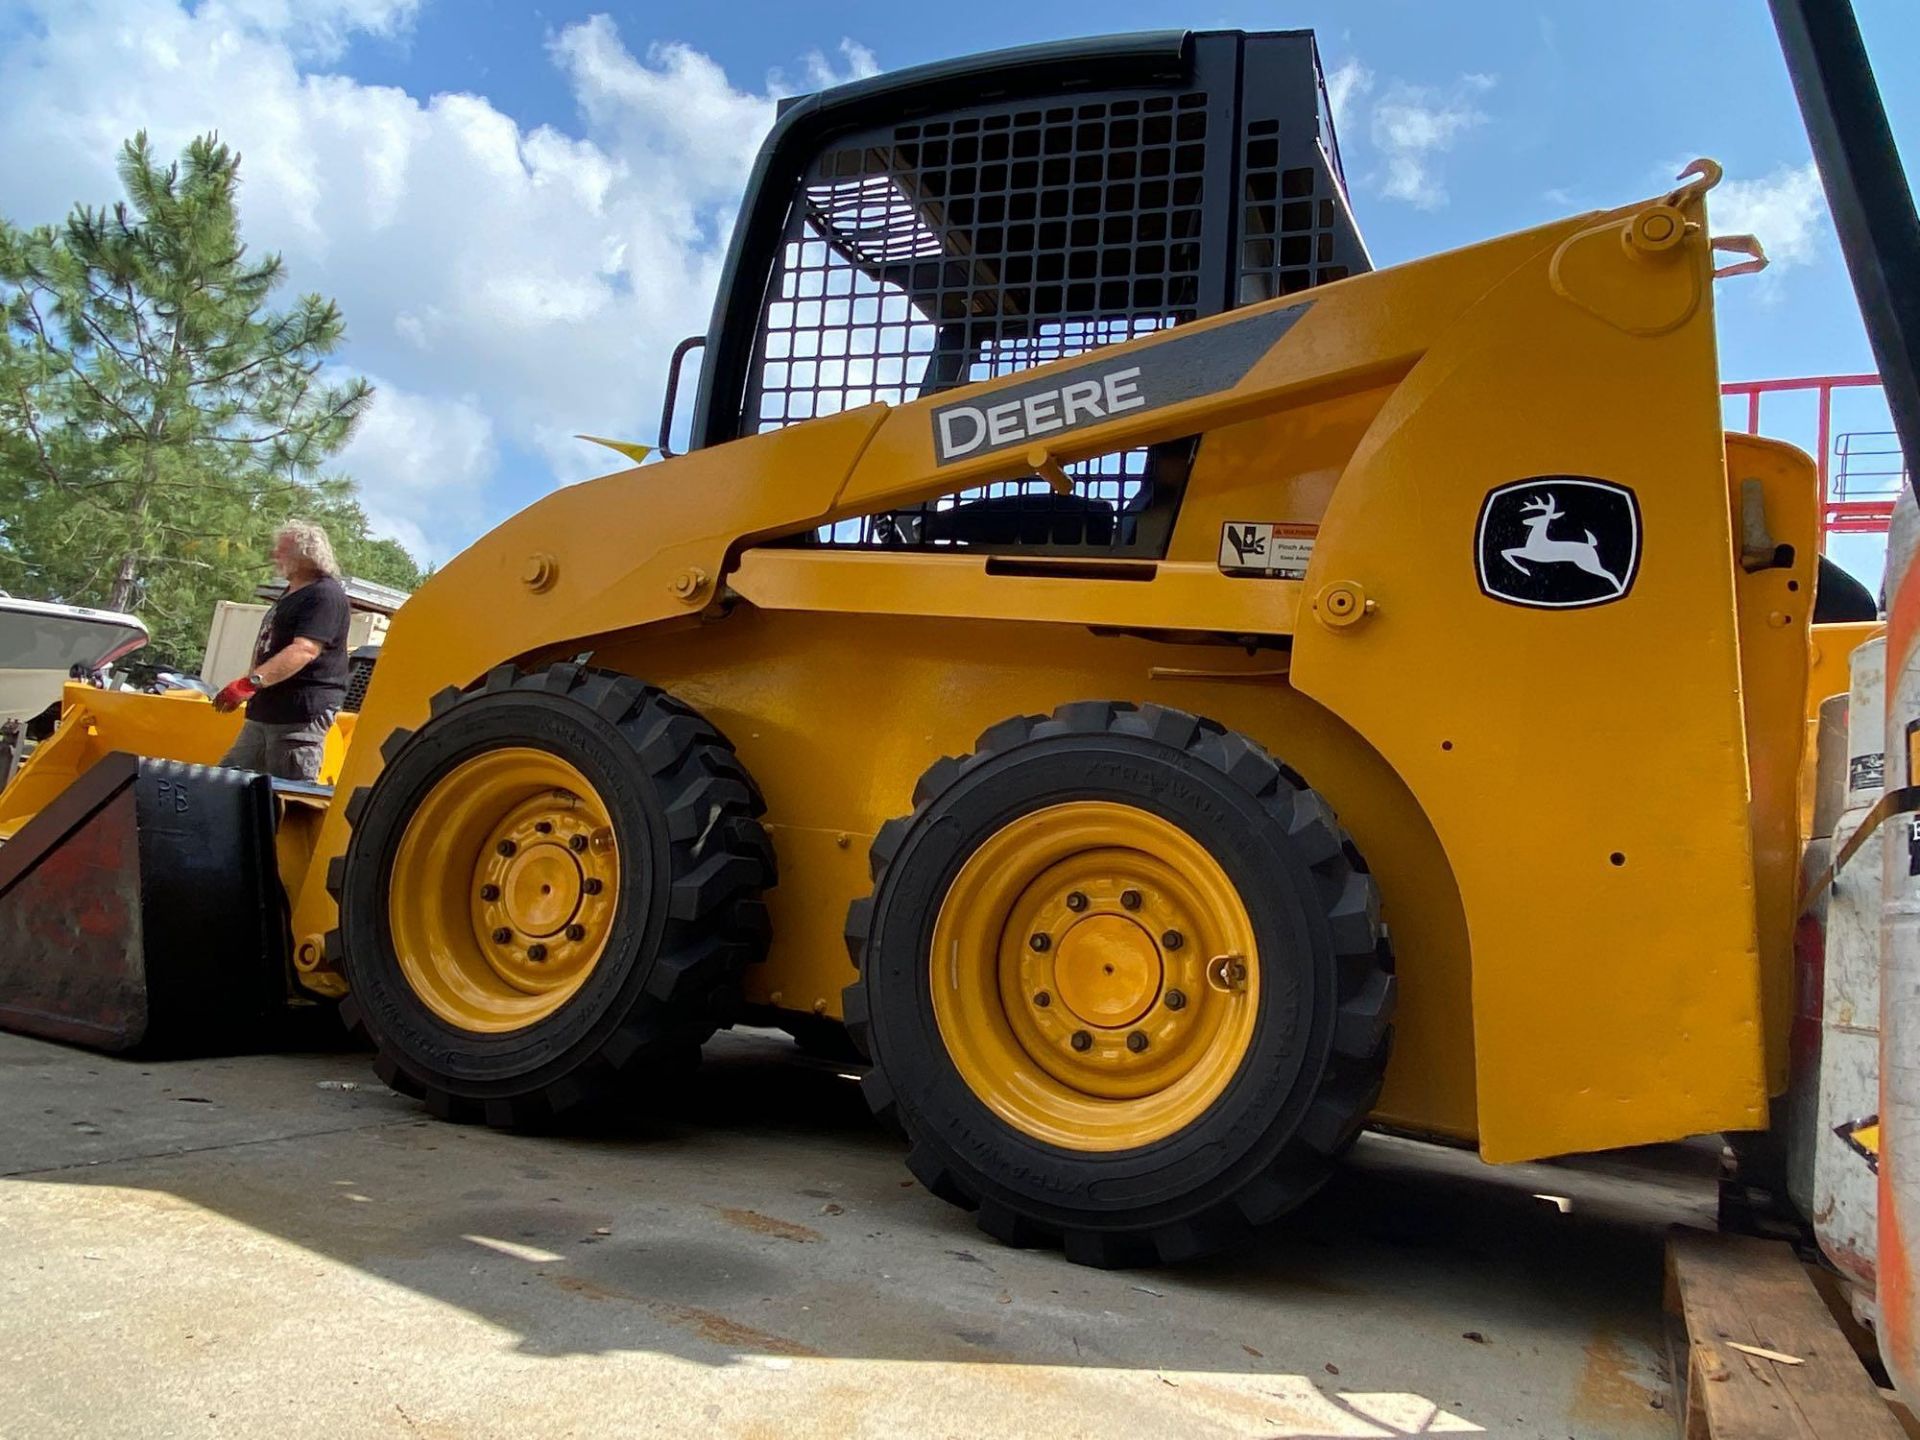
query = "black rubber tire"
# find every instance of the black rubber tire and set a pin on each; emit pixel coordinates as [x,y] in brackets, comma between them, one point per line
[1838,598]
[672,969]
[1321,1038]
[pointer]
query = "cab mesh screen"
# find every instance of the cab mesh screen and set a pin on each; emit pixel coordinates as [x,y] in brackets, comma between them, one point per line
[1289,223]
[924,256]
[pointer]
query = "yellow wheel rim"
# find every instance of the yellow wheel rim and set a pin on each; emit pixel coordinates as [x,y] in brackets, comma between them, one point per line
[503,890]
[1094,976]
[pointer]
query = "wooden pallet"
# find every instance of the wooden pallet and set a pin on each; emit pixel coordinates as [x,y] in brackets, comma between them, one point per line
[1728,1291]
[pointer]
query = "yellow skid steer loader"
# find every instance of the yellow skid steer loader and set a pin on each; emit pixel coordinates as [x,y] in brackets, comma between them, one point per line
[1178,694]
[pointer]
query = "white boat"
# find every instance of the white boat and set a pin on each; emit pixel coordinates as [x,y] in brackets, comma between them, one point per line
[41,643]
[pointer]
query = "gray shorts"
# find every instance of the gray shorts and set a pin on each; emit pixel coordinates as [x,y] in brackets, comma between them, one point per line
[289,752]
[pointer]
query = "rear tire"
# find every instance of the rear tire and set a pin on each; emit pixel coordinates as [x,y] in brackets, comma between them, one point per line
[1225,1144]
[1840,599]
[629,808]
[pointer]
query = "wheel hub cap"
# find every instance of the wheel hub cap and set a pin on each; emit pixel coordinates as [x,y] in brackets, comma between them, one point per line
[542,892]
[504,890]
[1108,971]
[1070,976]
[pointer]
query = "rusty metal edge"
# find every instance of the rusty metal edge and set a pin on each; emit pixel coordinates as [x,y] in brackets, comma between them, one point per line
[67,812]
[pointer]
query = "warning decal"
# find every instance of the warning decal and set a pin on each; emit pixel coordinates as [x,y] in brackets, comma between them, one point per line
[1867,772]
[1278,551]
[1863,1138]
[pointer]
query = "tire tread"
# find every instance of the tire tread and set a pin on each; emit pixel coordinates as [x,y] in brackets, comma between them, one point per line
[1363,1004]
[717,925]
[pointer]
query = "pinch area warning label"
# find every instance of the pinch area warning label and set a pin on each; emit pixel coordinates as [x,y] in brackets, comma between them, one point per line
[1278,551]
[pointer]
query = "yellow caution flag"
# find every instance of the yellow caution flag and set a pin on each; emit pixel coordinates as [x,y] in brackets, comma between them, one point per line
[633,451]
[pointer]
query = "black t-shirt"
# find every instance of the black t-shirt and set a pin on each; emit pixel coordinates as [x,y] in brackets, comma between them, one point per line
[317,612]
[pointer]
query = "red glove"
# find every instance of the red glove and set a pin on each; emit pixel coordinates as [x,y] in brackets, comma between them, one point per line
[235,695]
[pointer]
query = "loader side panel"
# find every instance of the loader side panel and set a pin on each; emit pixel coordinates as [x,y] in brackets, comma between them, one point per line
[1548,652]
[837,715]
[1775,600]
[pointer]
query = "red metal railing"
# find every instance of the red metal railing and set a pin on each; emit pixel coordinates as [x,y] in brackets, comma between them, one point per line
[1840,514]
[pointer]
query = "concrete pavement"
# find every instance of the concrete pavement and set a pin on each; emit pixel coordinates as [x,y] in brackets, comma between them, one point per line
[277,1245]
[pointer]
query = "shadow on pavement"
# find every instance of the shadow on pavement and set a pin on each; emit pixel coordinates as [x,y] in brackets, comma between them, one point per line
[754,1209]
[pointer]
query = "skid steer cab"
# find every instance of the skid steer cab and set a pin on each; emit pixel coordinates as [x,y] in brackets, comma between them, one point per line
[1175,694]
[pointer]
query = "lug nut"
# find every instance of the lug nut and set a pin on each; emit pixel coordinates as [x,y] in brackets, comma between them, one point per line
[1043,999]
[1137,1041]
[593,885]
[502,935]
[1039,943]
[1173,939]
[489,892]
[1081,1040]
[536,951]
[576,843]
[576,932]
[1176,999]
[506,847]
[1130,899]
[545,827]
[1076,901]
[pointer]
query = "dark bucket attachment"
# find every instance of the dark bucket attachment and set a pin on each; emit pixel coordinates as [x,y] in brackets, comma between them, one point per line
[142,910]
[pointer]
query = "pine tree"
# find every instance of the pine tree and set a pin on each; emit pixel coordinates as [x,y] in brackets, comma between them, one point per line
[157,419]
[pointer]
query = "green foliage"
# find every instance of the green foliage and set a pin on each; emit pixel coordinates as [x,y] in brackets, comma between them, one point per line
[157,420]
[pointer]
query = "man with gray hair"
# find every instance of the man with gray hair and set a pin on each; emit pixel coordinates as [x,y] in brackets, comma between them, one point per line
[299,676]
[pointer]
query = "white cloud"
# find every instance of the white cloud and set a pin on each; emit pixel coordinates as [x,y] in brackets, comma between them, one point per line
[675,104]
[509,286]
[1409,129]
[433,457]
[1349,81]
[859,64]
[317,28]
[1414,126]
[1787,210]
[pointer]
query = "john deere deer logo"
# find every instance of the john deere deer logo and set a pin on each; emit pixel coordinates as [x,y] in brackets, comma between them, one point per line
[1543,549]
[1558,542]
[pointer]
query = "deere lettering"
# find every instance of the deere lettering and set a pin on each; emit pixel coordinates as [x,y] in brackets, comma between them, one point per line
[1182,366]
[964,428]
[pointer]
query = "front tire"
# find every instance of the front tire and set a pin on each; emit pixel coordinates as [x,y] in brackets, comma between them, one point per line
[553,883]
[1124,984]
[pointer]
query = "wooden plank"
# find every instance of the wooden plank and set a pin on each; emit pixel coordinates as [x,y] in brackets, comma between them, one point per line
[1839,1305]
[1731,1289]
[1909,1425]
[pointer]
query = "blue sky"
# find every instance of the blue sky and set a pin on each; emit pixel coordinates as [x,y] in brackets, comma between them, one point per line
[520,207]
